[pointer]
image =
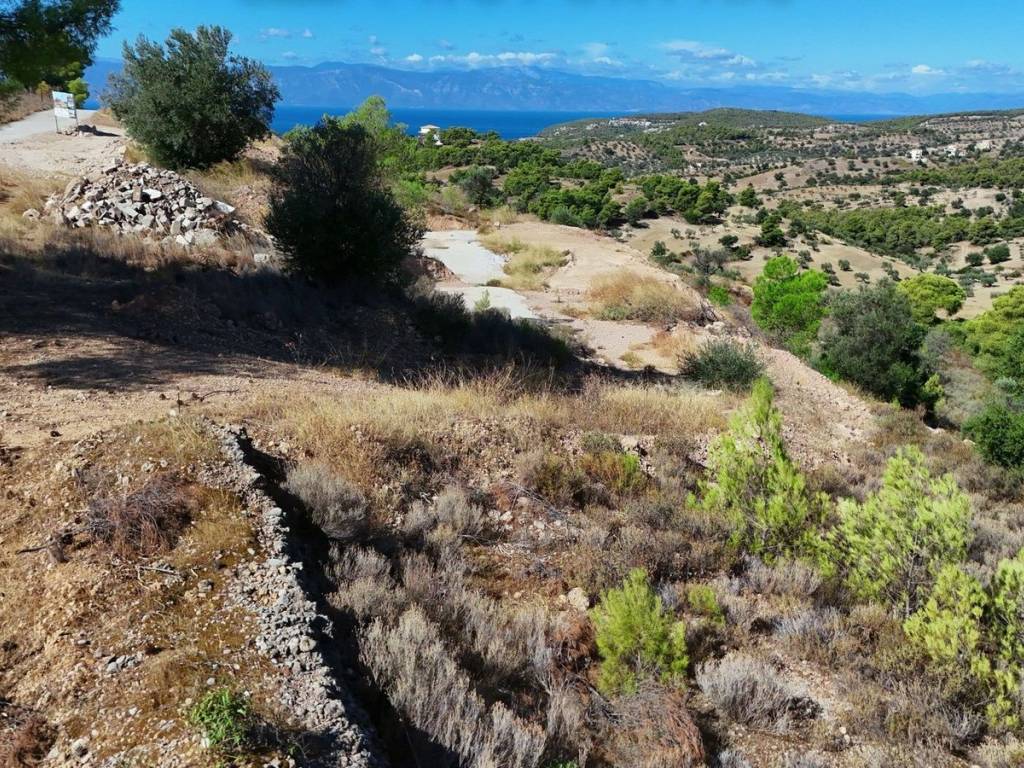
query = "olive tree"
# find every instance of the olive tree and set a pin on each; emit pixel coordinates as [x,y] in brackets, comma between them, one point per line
[190,102]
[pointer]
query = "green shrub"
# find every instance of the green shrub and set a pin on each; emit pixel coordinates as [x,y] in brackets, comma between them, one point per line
[997,254]
[191,104]
[636,636]
[619,472]
[225,719]
[756,487]
[719,296]
[928,293]
[331,211]
[478,184]
[892,546]
[973,638]
[990,336]
[788,303]
[872,339]
[998,432]
[723,364]
[702,600]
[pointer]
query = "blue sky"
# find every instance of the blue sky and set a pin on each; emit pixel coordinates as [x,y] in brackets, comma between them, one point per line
[918,46]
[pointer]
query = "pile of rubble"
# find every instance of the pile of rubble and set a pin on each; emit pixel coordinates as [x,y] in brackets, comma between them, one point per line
[141,199]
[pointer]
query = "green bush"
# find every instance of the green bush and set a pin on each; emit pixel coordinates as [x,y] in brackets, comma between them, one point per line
[636,636]
[331,210]
[998,432]
[191,104]
[719,296]
[872,339]
[756,487]
[973,638]
[996,337]
[788,303]
[928,293]
[891,547]
[478,184]
[225,719]
[723,364]
[702,600]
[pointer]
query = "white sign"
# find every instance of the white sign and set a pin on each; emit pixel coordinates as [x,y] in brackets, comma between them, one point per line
[64,105]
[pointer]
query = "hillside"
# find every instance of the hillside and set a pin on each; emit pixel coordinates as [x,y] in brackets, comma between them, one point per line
[556,495]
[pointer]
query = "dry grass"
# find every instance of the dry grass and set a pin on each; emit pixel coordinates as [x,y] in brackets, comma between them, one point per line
[21,106]
[223,180]
[527,266]
[141,523]
[405,416]
[629,296]
[21,191]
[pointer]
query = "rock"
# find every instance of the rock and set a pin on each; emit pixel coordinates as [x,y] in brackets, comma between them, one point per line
[261,258]
[80,747]
[578,599]
[204,238]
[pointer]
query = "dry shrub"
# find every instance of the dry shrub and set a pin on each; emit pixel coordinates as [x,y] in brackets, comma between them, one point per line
[917,713]
[27,745]
[410,663]
[448,521]
[1005,753]
[629,296]
[573,643]
[334,505]
[144,522]
[790,578]
[653,729]
[505,644]
[749,691]
[364,585]
[730,758]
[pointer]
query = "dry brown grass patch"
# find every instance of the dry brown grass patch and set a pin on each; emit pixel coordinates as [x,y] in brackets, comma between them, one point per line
[629,296]
[142,523]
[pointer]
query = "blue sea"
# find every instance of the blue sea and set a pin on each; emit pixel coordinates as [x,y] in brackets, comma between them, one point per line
[507,124]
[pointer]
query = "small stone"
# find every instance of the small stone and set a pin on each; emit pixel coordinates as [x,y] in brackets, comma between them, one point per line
[80,747]
[578,599]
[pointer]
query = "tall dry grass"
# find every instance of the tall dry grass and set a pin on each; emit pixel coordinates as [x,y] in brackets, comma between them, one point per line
[426,414]
[629,296]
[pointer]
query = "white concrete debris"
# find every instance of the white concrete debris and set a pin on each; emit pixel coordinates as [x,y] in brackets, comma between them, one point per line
[140,199]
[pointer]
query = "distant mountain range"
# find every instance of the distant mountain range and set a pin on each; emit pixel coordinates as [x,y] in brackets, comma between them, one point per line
[336,84]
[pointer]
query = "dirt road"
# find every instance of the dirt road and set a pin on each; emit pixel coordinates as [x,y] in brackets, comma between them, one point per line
[33,145]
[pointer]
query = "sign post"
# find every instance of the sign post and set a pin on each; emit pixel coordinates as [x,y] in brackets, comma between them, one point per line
[64,107]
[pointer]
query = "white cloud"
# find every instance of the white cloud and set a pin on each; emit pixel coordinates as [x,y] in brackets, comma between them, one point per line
[308,33]
[694,49]
[414,58]
[924,69]
[275,32]
[445,45]
[289,55]
[379,51]
[475,59]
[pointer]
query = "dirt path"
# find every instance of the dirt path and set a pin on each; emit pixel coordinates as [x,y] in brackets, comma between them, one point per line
[822,419]
[33,145]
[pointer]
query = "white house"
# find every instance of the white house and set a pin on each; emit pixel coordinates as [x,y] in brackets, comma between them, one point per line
[916,155]
[984,146]
[430,133]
